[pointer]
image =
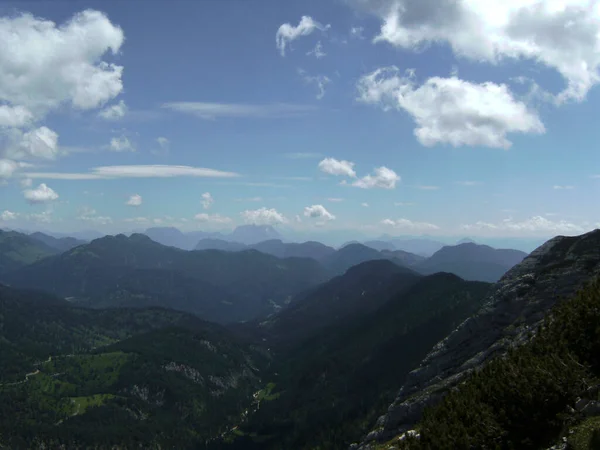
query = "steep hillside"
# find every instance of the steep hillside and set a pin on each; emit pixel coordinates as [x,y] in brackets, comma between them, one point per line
[330,386]
[544,390]
[472,261]
[363,289]
[136,271]
[18,250]
[59,244]
[130,378]
[515,306]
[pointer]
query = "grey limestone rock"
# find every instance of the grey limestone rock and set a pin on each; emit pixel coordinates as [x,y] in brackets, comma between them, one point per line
[513,309]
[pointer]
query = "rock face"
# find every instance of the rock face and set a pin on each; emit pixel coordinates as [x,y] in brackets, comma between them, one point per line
[514,307]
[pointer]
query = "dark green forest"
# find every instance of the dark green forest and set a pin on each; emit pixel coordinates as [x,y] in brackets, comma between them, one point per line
[537,394]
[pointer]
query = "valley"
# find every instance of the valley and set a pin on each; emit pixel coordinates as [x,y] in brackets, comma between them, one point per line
[131,354]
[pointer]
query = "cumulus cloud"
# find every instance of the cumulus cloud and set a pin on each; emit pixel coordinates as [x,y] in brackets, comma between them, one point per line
[39,143]
[562,35]
[450,110]
[114,112]
[382,177]
[212,218]
[7,215]
[333,166]
[90,215]
[134,200]
[15,116]
[535,224]
[45,65]
[121,144]
[320,81]
[239,110]
[288,33]
[41,194]
[318,211]
[8,167]
[409,225]
[207,200]
[263,216]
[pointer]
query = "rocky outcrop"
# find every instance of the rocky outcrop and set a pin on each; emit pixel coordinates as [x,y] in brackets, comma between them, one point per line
[513,309]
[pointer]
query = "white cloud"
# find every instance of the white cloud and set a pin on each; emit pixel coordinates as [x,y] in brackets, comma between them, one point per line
[317,51]
[558,187]
[212,218]
[26,182]
[263,216]
[320,81]
[535,224]
[563,35]
[357,32]
[409,225]
[335,199]
[135,171]
[207,200]
[450,110]
[114,112]
[159,171]
[164,144]
[88,214]
[39,142]
[45,65]
[364,205]
[333,166]
[41,194]
[318,211]
[7,215]
[8,167]
[238,110]
[42,217]
[288,33]
[121,144]
[134,200]
[382,178]
[15,116]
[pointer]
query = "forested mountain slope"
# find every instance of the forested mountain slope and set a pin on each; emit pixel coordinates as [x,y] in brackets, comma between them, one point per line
[515,306]
[80,378]
[120,271]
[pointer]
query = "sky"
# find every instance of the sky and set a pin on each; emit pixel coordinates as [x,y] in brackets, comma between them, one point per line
[405,117]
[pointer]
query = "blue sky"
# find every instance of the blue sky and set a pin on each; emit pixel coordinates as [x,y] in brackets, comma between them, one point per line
[379,116]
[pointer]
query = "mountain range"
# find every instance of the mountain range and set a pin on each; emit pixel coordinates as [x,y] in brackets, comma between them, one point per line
[315,347]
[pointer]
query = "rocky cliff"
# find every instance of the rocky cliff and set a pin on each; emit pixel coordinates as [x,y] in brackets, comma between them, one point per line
[514,307]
